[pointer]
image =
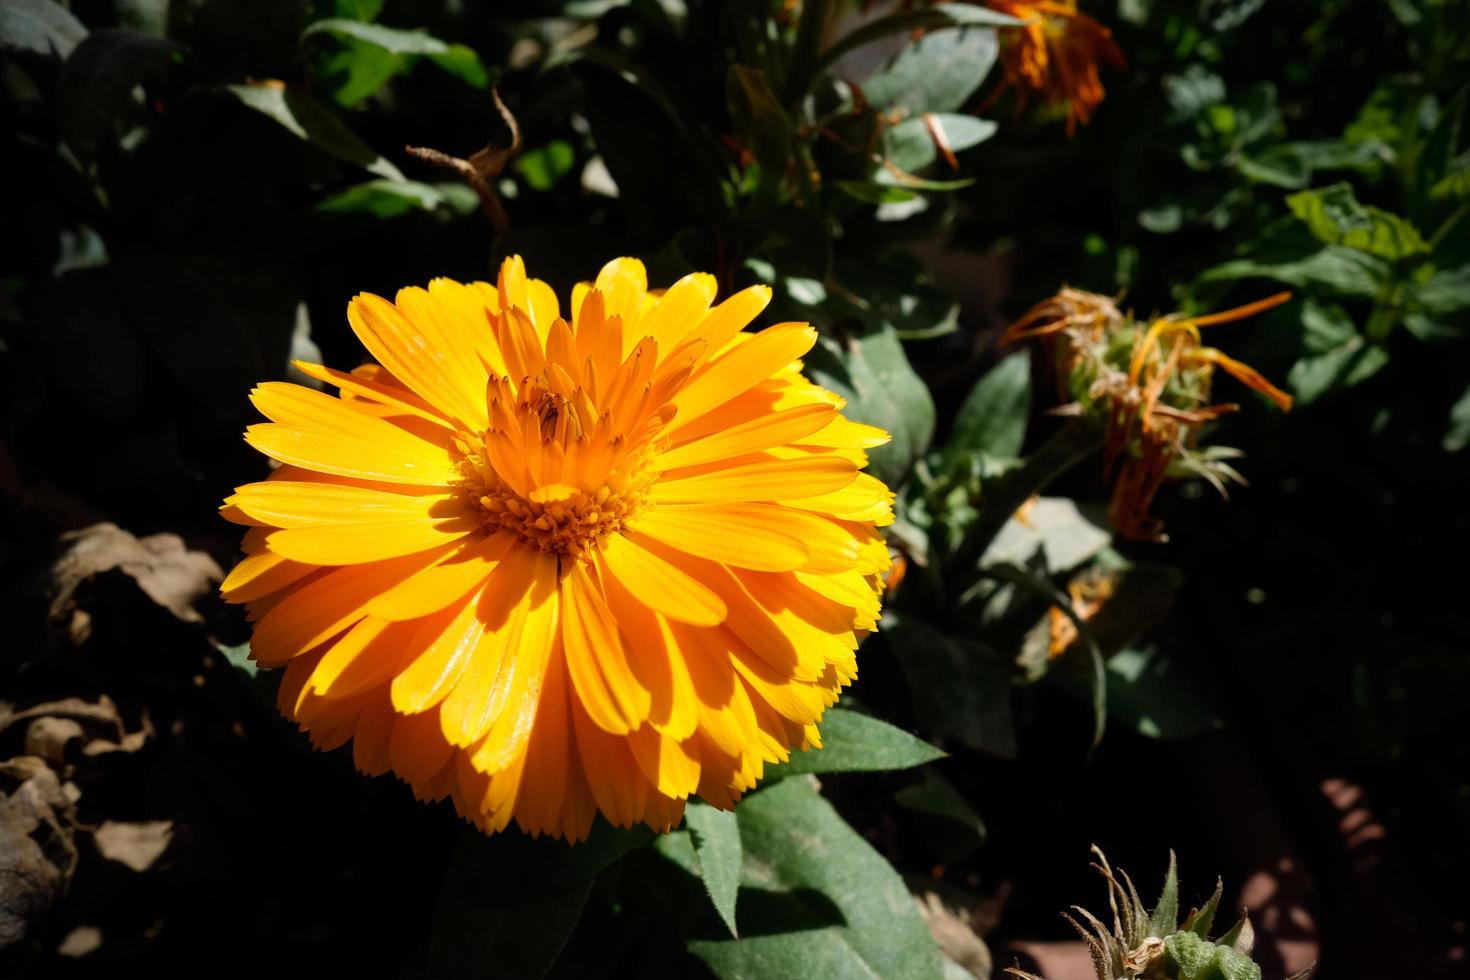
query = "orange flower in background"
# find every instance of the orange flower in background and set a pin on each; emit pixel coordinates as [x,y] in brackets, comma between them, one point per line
[1056,55]
[1149,383]
[548,567]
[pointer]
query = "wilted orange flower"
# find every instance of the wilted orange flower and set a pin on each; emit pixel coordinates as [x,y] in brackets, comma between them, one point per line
[1151,388]
[550,567]
[1056,55]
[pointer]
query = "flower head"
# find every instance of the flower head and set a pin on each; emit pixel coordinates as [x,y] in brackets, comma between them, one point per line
[1056,54]
[553,566]
[1149,383]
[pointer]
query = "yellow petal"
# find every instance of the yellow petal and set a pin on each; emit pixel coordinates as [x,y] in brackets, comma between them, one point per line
[325,606]
[445,581]
[672,766]
[261,574]
[522,637]
[742,367]
[721,324]
[595,657]
[324,434]
[367,656]
[659,584]
[426,681]
[374,391]
[765,479]
[679,310]
[623,284]
[722,535]
[291,503]
[353,544]
[436,366]
[752,436]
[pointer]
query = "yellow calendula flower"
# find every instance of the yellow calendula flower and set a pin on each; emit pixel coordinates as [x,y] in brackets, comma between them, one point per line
[552,566]
[1056,55]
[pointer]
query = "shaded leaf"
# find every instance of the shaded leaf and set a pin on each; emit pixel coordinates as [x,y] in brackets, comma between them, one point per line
[909,144]
[456,59]
[384,198]
[854,742]
[929,19]
[1457,435]
[311,121]
[1148,693]
[937,73]
[960,689]
[509,902]
[872,372]
[993,416]
[818,900]
[715,835]
[39,27]
[95,92]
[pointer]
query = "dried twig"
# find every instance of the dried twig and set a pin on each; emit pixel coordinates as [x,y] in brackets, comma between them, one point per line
[482,166]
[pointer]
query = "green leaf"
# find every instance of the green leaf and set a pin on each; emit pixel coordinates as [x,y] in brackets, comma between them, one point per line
[239,658]
[960,689]
[384,198]
[1456,186]
[456,59]
[929,19]
[937,73]
[544,166]
[871,371]
[1055,535]
[1147,692]
[1334,270]
[1445,293]
[1457,435]
[1335,217]
[855,742]
[95,93]
[817,900]
[871,193]
[909,144]
[368,55]
[1192,955]
[309,120]
[993,416]
[508,902]
[1338,356]
[39,27]
[1202,919]
[715,835]
[936,797]
[1291,165]
[1165,917]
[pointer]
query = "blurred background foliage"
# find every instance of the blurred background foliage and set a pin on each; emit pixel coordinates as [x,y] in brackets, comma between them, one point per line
[196,187]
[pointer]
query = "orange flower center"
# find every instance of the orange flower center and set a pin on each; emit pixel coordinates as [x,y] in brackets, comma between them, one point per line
[551,470]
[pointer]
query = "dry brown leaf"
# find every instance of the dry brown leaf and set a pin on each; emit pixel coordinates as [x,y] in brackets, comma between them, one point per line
[137,845]
[37,852]
[948,912]
[164,568]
